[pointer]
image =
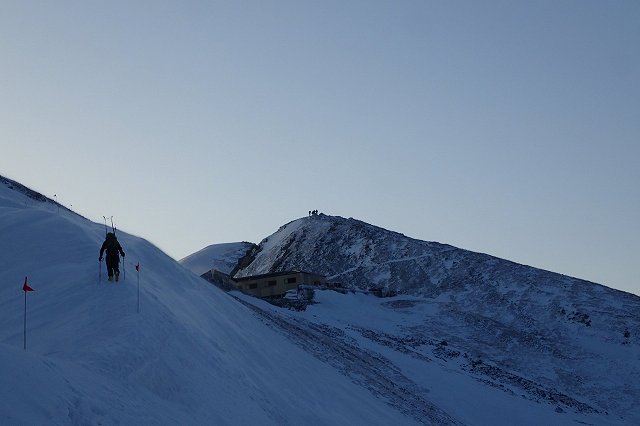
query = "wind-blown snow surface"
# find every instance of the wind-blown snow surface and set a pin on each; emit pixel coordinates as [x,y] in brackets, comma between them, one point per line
[551,338]
[193,355]
[222,257]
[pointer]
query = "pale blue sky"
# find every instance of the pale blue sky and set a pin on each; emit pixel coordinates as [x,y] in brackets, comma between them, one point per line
[505,127]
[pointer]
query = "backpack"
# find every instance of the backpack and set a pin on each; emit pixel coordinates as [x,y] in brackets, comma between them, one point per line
[111,244]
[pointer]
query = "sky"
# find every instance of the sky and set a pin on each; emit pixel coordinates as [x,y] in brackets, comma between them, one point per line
[508,128]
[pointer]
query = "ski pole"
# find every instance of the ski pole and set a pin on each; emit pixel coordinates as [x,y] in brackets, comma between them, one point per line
[100,271]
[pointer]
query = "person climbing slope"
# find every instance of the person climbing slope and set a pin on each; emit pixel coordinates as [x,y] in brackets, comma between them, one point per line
[112,247]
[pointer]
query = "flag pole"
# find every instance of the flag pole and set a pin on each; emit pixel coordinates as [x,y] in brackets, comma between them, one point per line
[25,288]
[25,321]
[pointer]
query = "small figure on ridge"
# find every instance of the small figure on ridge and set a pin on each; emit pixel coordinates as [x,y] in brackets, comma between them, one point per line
[113,247]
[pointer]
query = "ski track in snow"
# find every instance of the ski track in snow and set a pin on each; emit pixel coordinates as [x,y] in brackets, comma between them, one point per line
[373,265]
[365,368]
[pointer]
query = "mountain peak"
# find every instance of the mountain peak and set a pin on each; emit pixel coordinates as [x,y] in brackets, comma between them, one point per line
[333,246]
[523,318]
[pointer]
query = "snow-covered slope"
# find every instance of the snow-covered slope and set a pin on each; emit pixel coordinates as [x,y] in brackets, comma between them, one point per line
[576,339]
[222,257]
[196,355]
[192,356]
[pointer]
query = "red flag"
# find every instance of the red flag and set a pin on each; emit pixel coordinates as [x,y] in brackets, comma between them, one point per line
[26,287]
[138,266]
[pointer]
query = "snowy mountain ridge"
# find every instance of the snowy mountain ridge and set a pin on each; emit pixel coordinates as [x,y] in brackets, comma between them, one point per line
[196,355]
[221,257]
[554,330]
[193,355]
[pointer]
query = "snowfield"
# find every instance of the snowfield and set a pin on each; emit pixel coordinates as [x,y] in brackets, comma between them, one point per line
[193,355]
[196,355]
